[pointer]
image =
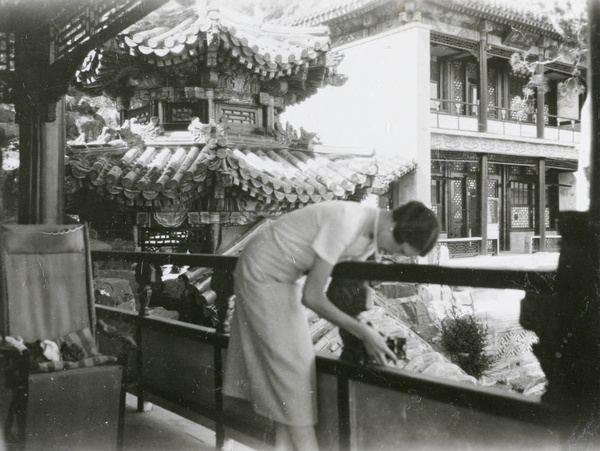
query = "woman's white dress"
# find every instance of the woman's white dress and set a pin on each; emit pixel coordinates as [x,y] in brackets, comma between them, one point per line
[271,359]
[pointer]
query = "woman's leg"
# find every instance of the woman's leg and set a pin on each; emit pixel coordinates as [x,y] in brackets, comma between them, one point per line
[283,440]
[298,438]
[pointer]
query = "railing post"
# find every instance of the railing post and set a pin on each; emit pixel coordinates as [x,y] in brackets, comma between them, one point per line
[222,284]
[344,433]
[145,296]
[219,404]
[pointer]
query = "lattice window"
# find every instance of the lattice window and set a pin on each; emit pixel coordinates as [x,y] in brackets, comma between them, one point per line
[492,188]
[471,69]
[235,116]
[519,193]
[529,170]
[492,81]
[493,169]
[463,248]
[142,114]
[458,199]
[521,217]
[437,200]
[552,244]
[493,210]
[181,114]
[458,83]
[516,170]
[458,166]
[522,197]
[7,52]
[7,64]
[473,168]
[472,185]
[178,240]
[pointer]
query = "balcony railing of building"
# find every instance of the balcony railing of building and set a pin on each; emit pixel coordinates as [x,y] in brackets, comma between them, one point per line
[463,116]
[180,365]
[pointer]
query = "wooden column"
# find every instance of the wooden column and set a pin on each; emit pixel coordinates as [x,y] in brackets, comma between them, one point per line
[483,78]
[210,97]
[541,204]
[541,102]
[483,206]
[40,114]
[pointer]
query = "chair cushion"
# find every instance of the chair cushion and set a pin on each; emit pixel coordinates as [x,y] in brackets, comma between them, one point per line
[48,367]
[78,350]
[82,338]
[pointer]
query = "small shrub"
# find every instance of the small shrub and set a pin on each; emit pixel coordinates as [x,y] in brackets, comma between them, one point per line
[465,338]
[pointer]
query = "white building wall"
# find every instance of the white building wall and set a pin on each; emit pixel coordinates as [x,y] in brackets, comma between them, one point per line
[384,105]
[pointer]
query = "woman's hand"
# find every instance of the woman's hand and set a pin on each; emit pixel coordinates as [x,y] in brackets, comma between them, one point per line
[376,346]
[314,298]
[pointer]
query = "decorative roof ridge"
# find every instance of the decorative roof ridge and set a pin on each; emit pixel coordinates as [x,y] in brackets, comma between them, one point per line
[501,10]
[271,28]
[531,18]
[335,12]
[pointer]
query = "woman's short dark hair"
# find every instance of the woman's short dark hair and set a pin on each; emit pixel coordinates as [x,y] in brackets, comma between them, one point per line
[416,225]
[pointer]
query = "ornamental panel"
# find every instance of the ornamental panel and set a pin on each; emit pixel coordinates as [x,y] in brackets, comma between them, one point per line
[7,65]
[504,147]
[515,342]
[520,217]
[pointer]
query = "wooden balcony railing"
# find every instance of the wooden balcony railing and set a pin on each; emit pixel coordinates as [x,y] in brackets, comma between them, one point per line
[180,365]
[455,115]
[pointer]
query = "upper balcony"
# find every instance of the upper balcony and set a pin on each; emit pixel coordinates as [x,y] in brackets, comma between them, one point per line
[463,116]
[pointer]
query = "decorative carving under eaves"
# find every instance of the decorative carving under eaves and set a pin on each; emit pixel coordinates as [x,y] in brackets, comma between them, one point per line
[288,137]
[275,87]
[500,146]
[337,79]
[146,80]
[202,133]
[284,136]
[130,132]
[368,24]
[151,130]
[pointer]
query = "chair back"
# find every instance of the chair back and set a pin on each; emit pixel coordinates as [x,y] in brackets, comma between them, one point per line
[47,287]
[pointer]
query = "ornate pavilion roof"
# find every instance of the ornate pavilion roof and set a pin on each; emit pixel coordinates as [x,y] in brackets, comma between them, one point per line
[225,167]
[156,53]
[166,174]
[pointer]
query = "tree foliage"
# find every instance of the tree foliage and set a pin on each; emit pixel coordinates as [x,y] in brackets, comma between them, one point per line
[569,20]
[465,338]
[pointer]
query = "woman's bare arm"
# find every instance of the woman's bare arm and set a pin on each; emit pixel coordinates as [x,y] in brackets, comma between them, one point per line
[314,298]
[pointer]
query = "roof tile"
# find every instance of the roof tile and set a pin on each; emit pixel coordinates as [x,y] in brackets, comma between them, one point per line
[160,176]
